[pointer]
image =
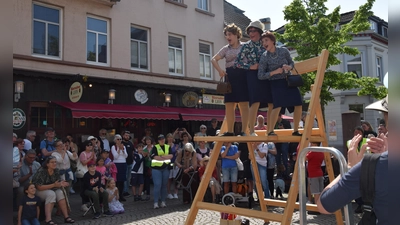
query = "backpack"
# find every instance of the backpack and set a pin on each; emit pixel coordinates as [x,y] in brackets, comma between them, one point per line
[203,154]
[367,188]
[39,157]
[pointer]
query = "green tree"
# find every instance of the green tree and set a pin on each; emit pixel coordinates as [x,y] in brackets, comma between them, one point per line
[311,29]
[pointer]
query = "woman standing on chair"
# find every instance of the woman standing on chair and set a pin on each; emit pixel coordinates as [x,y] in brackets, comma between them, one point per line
[119,152]
[187,162]
[275,64]
[237,79]
[248,58]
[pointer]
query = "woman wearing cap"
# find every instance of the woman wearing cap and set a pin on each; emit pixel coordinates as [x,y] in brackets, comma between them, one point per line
[187,162]
[248,59]
[48,184]
[236,77]
[214,185]
[275,65]
[119,153]
[160,161]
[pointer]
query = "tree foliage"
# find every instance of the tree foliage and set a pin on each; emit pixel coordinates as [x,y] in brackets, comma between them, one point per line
[311,29]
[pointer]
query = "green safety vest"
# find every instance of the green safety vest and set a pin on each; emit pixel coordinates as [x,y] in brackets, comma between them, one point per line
[160,163]
[363,141]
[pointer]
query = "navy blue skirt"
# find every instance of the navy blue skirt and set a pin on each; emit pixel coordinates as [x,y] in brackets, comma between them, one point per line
[238,81]
[259,90]
[121,171]
[285,96]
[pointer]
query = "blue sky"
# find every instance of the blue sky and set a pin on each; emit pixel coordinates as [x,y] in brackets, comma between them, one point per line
[257,9]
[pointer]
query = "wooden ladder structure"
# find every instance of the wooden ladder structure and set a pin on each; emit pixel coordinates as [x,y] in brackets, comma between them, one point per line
[310,134]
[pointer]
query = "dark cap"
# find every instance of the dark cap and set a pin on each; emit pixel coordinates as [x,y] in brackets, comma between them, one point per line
[90,163]
[49,129]
[104,151]
[161,136]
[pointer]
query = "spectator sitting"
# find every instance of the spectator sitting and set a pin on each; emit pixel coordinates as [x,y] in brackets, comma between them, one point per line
[29,211]
[214,185]
[93,189]
[116,207]
[28,169]
[48,183]
[30,137]
[46,145]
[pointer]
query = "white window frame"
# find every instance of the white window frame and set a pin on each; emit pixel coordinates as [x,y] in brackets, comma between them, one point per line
[374,26]
[383,31]
[203,55]
[97,34]
[183,55]
[348,57]
[379,68]
[203,5]
[148,48]
[179,1]
[59,57]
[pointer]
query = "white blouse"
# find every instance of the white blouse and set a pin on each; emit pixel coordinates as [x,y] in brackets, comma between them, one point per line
[64,163]
[119,158]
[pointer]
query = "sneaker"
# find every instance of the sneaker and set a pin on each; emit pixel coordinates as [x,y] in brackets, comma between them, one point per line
[163,205]
[228,134]
[176,196]
[84,208]
[108,213]
[71,191]
[139,198]
[156,206]
[170,196]
[242,134]
[296,133]
[126,194]
[96,215]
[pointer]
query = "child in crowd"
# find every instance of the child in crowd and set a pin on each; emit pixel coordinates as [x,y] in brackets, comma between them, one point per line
[137,172]
[102,170]
[116,207]
[29,210]
[315,173]
[111,169]
[279,182]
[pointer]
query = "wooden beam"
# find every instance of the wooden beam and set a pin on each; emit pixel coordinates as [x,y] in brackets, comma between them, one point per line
[281,203]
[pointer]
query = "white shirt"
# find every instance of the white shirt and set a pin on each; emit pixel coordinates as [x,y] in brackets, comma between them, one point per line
[119,158]
[263,147]
[28,144]
[106,144]
[64,163]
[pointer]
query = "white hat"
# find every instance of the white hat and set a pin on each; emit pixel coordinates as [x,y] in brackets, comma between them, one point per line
[91,137]
[256,24]
[381,105]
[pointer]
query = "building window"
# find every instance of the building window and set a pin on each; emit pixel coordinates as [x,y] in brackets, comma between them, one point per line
[203,4]
[205,60]
[358,108]
[354,64]
[42,117]
[384,31]
[374,26]
[175,55]
[139,48]
[46,31]
[379,70]
[97,41]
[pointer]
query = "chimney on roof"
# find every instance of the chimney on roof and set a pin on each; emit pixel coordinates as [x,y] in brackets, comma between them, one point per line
[267,23]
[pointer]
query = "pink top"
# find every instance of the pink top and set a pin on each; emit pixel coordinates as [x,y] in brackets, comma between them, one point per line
[102,170]
[85,156]
[230,54]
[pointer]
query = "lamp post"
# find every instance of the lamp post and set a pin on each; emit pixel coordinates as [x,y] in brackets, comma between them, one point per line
[167,99]
[111,96]
[19,88]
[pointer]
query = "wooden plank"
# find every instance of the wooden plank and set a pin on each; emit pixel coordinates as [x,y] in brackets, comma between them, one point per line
[239,211]
[306,66]
[281,203]
[275,139]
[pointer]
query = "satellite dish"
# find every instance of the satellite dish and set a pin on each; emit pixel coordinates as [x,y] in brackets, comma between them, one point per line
[385,80]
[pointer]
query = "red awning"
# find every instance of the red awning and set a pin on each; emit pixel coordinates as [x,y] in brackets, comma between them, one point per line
[91,110]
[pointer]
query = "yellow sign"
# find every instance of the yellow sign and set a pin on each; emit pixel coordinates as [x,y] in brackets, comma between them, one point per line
[75,92]
[213,99]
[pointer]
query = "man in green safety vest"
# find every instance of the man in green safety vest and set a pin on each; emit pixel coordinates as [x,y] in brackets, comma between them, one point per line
[160,161]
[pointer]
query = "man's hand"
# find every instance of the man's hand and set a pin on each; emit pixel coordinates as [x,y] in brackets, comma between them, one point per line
[353,156]
[378,144]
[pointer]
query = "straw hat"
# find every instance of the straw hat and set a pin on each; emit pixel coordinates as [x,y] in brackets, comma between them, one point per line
[381,105]
[256,24]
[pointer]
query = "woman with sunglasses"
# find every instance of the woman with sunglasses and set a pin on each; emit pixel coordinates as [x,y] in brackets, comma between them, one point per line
[119,153]
[48,185]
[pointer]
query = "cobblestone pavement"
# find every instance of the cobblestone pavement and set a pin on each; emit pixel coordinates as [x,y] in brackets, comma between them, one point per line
[142,213]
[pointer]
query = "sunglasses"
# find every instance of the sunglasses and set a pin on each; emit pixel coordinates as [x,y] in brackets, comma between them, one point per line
[118,139]
[203,128]
[89,144]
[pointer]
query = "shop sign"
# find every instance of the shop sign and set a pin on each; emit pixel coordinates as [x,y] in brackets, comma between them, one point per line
[213,99]
[19,118]
[141,96]
[189,99]
[75,92]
